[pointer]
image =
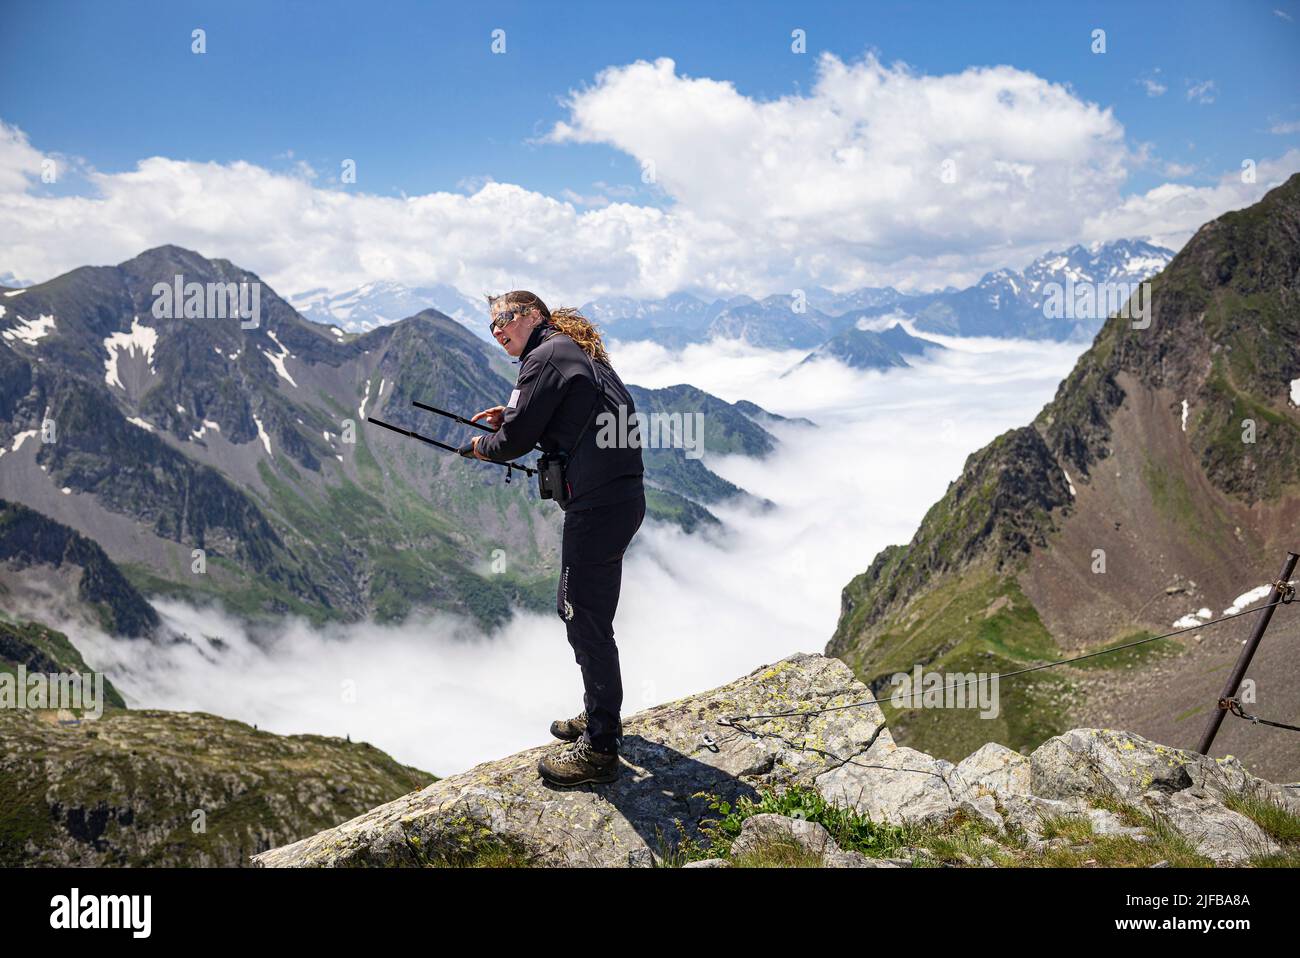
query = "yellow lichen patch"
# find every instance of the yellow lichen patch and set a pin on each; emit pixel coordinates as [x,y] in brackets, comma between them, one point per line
[775,670]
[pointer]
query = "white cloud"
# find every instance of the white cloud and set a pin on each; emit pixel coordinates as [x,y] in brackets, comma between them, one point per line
[1171,212]
[20,162]
[1285,128]
[852,170]
[1202,91]
[1283,14]
[842,185]
[1153,85]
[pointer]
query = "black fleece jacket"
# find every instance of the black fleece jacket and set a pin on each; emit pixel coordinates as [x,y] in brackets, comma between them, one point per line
[553,397]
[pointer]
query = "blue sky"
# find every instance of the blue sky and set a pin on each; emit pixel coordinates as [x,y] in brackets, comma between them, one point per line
[412,93]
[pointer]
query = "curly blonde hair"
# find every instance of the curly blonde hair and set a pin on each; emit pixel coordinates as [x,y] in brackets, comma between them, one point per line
[566,319]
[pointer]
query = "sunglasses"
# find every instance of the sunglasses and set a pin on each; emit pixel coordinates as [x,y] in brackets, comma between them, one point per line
[505,318]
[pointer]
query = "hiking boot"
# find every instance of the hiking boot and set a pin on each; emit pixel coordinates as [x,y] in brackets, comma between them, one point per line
[577,764]
[570,730]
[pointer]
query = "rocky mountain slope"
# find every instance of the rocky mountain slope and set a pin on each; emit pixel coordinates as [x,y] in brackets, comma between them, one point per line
[42,560]
[871,349]
[835,786]
[151,788]
[214,458]
[1160,485]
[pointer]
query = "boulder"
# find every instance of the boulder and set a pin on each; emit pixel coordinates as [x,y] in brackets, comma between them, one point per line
[1220,834]
[995,770]
[893,784]
[982,808]
[1122,765]
[1107,763]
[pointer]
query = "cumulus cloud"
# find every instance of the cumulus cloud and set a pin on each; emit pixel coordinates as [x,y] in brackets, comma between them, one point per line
[877,175]
[1176,211]
[20,162]
[877,163]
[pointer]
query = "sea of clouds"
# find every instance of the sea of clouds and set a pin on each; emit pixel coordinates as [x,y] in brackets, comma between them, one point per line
[696,610]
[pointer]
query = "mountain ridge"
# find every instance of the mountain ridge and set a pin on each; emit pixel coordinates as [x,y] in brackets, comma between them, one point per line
[1112,474]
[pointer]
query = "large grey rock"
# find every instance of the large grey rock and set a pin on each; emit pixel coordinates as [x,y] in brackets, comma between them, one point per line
[668,769]
[1108,763]
[1216,832]
[1028,811]
[995,770]
[762,831]
[983,808]
[1122,765]
[893,784]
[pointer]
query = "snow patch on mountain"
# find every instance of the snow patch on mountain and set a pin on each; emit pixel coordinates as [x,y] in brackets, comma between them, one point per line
[278,361]
[29,331]
[365,399]
[262,435]
[1248,599]
[139,337]
[19,439]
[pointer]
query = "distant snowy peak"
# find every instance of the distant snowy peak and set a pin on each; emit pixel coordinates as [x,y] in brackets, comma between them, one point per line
[678,307]
[1114,262]
[379,303]
[681,318]
[1121,261]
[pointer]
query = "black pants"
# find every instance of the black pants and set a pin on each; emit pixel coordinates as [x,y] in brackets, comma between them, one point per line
[591,572]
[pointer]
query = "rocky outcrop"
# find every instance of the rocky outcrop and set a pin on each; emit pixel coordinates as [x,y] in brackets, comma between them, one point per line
[674,757]
[684,760]
[174,789]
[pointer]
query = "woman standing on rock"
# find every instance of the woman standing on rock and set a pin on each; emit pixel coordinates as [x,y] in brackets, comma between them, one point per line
[565,378]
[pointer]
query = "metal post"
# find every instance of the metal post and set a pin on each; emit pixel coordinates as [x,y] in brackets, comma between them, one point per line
[1243,661]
